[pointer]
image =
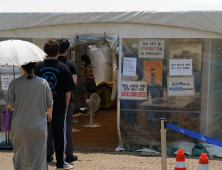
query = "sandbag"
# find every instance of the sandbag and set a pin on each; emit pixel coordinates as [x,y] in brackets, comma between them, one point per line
[170,149]
[198,149]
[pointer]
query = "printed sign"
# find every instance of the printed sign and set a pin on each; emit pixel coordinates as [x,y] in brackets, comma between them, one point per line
[8,69]
[6,80]
[153,72]
[180,67]
[181,86]
[129,66]
[151,49]
[134,90]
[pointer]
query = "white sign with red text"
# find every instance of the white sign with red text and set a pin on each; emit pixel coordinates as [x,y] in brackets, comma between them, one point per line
[6,80]
[134,90]
[151,49]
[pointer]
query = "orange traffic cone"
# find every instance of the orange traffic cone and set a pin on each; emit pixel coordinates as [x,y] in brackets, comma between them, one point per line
[203,162]
[180,160]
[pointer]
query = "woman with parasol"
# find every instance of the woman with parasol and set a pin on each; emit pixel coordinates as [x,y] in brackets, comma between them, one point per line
[30,97]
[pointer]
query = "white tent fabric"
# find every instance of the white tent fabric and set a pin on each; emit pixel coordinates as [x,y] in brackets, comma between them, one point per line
[201,18]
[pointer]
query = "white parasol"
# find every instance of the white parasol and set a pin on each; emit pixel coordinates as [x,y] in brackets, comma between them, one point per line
[18,52]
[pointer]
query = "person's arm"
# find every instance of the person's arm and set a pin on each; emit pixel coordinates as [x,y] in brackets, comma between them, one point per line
[10,107]
[74,77]
[49,114]
[10,97]
[68,95]
[48,101]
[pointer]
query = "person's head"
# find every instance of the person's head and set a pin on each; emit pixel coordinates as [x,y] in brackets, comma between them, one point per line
[29,68]
[64,46]
[52,48]
[86,60]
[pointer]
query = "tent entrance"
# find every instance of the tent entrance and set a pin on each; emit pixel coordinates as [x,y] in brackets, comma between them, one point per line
[104,66]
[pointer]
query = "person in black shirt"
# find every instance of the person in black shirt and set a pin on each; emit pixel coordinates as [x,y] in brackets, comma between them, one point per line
[60,80]
[64,47]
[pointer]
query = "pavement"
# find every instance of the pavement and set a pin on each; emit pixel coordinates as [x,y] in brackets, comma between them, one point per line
[95,150]
[116,160]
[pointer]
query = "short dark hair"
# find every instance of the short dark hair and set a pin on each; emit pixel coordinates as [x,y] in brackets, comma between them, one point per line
[64,45]
[28,68]
[51,47]
[86,59]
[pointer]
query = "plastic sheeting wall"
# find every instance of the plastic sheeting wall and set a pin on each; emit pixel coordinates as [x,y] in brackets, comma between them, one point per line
[199,113]
[101,62]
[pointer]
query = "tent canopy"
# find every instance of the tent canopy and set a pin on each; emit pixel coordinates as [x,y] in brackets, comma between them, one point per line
[199,18]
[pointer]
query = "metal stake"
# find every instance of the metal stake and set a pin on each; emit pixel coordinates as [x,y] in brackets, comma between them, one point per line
[163,131]
[7,137]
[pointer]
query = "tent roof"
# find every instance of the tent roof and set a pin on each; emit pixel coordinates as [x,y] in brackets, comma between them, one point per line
[57,6]
[204,15]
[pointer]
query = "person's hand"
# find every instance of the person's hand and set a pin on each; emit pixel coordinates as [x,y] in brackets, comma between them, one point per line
[49,117]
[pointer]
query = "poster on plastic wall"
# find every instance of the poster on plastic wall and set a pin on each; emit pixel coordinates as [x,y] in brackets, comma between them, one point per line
[8,69]
[134,90]
[6,80]
[151,49]
[153,72]
[180,86]
[180,67]
[129,66]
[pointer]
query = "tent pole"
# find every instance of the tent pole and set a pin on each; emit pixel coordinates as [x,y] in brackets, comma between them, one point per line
[121,144]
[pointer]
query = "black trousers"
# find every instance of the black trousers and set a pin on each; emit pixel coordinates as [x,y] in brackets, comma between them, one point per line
[59,135]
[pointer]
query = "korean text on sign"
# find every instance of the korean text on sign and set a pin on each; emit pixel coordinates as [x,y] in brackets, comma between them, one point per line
[181,86]
[151,49]
[129,66]
[6,80]
[134,90]
[153,72]
[180,67]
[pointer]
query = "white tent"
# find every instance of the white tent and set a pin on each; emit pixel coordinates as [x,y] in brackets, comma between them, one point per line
[131,19]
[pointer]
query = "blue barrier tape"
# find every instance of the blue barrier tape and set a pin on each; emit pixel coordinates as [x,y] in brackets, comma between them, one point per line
[195,135]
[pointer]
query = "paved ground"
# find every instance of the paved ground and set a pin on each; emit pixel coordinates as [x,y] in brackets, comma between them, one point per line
[117,161]
[89,144]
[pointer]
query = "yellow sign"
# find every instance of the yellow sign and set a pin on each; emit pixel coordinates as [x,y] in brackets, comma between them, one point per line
[153,72]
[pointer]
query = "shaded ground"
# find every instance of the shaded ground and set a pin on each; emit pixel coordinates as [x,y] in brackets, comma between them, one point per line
[96,139]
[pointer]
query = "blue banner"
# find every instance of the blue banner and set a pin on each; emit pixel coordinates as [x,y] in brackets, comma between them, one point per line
[194,134]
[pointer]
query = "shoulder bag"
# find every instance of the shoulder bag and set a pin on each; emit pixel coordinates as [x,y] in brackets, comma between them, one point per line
[6,119]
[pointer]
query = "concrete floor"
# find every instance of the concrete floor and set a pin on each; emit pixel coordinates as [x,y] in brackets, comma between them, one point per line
[96,139]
